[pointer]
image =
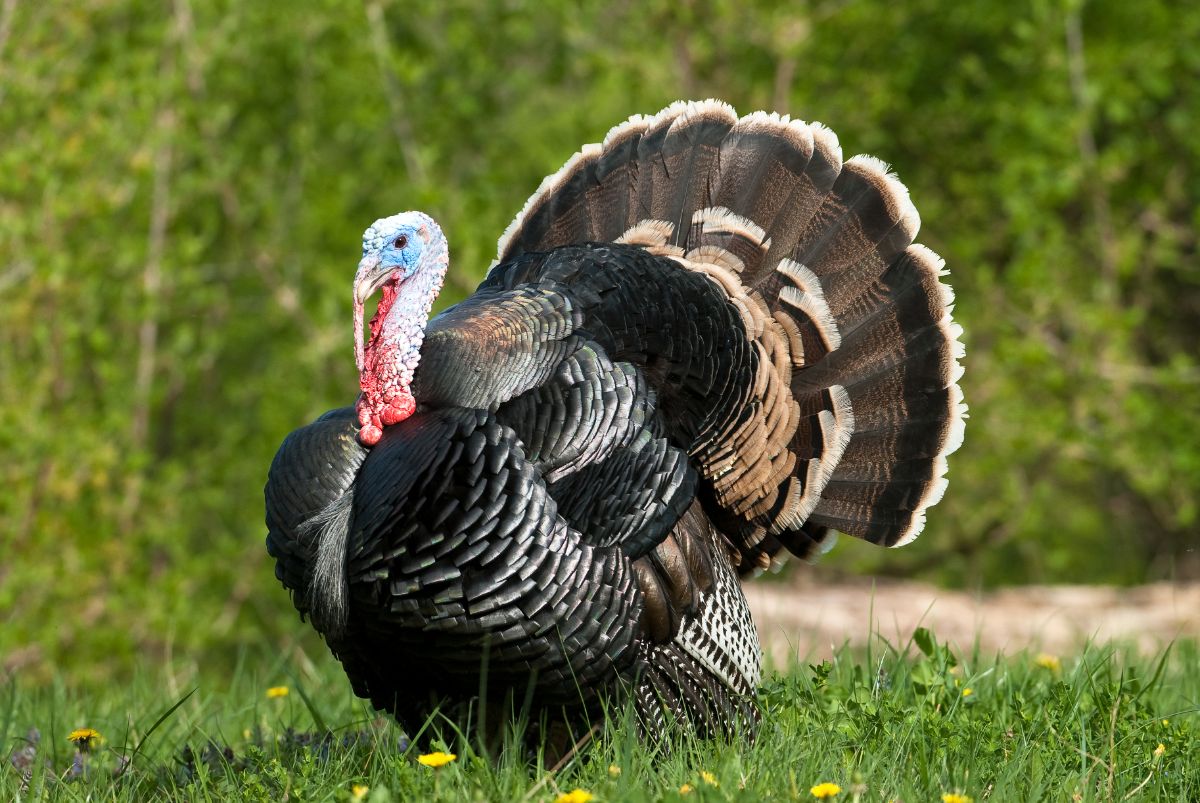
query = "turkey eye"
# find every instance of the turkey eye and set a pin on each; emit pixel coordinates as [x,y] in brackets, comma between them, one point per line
[401,241]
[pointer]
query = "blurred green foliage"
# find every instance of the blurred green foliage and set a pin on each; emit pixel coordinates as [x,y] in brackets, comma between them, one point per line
[183,186]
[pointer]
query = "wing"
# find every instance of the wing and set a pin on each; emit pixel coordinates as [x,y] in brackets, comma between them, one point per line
[493,346]
[589,426]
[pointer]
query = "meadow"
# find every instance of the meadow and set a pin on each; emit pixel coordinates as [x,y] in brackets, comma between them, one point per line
[894,722]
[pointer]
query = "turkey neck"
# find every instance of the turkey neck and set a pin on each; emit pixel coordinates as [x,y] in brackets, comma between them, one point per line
[398,327]
[397,331]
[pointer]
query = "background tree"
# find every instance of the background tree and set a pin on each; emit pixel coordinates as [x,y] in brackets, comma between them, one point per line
[183,186]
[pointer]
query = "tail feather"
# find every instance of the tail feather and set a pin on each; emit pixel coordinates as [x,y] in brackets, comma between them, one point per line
[854,403]
[762,163]
[614,175]
[686,158]
[720,237]
[806,196]
[918,468]
[910,287]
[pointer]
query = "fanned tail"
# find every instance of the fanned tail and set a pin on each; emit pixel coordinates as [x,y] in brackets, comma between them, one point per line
[855,402]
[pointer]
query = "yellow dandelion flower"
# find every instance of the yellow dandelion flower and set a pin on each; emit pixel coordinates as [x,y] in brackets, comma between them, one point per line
[276,692]
[85,738]
[824,790]
[438,759]
[1158,751]
[575,796]
[709,778]
[955,797]
[359,791]
[613,771]
[1047,661]
[1166,722]
[968,691]
[686,789]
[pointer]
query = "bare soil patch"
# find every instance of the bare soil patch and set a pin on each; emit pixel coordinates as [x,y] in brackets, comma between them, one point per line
[808,620]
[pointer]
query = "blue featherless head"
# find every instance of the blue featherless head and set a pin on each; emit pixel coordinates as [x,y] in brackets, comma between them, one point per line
[398,241]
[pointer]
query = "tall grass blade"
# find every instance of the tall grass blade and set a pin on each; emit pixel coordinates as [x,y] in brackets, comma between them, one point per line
[158,722]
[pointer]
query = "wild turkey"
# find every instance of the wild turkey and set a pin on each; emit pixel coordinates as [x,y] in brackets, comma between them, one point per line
[706,343]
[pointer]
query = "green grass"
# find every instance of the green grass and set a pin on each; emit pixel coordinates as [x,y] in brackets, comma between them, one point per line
[890,723]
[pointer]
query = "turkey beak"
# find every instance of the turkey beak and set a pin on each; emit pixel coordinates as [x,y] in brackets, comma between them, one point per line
[368,279]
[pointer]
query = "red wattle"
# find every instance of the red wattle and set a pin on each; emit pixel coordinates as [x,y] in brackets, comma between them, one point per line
[399,409]
[369,435]
[391,412]
[385,398]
